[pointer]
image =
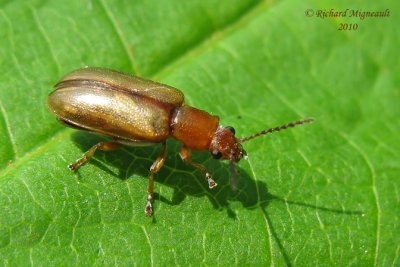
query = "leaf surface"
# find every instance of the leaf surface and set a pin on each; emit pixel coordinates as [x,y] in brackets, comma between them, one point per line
[321,194]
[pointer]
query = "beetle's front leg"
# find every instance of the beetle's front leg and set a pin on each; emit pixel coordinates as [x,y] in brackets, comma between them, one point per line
[186,155]
[104,146]
[157,164]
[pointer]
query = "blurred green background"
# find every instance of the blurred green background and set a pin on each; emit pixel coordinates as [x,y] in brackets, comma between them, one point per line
[321,194]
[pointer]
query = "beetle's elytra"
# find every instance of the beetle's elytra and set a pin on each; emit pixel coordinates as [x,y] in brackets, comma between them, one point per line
[140,112]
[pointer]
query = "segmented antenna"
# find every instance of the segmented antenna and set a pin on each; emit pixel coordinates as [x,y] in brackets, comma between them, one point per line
[277,129]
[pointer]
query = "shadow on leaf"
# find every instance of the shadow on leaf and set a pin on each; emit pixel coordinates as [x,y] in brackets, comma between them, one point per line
[184,179]
[187,182]
[177,175]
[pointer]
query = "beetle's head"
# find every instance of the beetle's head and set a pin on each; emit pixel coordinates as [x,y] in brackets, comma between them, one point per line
[224,145]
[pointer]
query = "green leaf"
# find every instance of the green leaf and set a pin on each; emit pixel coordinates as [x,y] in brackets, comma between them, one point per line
[321,194]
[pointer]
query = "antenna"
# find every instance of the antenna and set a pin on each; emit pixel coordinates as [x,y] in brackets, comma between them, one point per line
[277,129]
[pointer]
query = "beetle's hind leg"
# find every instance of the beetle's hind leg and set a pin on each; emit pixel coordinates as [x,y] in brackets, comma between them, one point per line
[155,167]
[186,155]
[104,146]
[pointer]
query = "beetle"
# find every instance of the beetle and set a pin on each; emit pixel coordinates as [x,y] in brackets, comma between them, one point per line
[140,112]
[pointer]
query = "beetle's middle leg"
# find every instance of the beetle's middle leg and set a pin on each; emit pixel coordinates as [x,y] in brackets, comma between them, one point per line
[186,155]
[157,164]
[104,146]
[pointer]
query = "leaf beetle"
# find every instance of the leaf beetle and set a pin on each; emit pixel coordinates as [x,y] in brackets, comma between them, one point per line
[140,112]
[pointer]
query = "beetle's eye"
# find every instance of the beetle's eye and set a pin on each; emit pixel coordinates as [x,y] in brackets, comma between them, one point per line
[230,128]
[216,154]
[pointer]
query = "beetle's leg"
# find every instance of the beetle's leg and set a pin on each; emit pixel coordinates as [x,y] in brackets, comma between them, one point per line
[104,146]
[186,155]
[157,164]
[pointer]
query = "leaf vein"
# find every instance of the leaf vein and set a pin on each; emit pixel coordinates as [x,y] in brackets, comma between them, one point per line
[13,56]
[267,226]
[32,196]
[120,34]
[61,135]
[374,192]
[149,242]
[212,38]
[9,132]
[46,38]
